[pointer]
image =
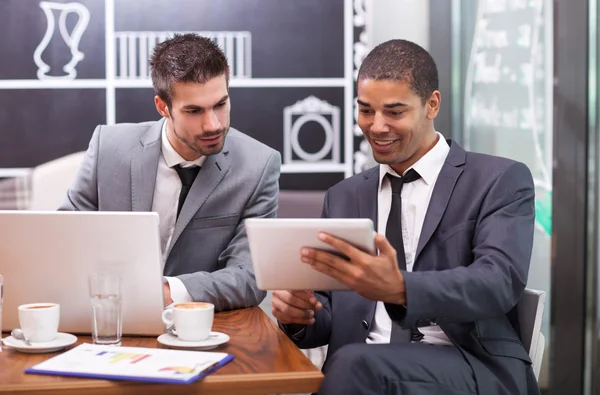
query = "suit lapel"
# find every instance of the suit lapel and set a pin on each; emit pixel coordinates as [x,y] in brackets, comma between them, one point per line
[144,165]
[442,191]
[213,170]
[367,196]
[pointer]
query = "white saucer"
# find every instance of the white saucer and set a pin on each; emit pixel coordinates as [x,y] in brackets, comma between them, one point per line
[61,341]
[214,339]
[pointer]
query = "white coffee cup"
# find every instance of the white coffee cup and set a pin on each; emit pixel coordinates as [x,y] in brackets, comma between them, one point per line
[39,321]
[191,321]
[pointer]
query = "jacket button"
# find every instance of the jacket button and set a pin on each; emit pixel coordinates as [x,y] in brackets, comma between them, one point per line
[365,324]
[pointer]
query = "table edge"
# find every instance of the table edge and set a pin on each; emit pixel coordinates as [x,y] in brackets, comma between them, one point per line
[207,381]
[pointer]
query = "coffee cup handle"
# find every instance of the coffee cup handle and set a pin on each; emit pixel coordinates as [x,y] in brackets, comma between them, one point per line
[167,318]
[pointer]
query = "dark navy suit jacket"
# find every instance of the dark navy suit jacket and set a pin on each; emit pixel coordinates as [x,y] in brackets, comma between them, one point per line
[470,268]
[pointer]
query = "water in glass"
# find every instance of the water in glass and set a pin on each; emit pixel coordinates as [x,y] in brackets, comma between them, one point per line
[107,315]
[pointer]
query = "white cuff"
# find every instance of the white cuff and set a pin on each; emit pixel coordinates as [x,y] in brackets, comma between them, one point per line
[179,292]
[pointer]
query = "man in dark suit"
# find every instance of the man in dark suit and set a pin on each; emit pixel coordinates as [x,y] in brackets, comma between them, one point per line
[434,312]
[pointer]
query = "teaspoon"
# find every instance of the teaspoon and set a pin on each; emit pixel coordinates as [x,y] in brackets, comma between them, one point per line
[19,335]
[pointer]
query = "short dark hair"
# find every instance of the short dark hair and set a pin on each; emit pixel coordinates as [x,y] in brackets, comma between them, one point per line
[185,58]
[402,60]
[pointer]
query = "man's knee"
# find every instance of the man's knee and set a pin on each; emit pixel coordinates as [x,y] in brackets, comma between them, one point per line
[351,357]
[350,371]
[376,361]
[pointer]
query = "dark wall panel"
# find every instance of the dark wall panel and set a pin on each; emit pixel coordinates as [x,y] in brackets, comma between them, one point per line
[260,118]
[46,124]
[23,24]
[283,41]
[290,39]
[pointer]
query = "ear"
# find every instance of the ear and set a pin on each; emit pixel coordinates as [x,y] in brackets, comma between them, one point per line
[432,105]
[161,107]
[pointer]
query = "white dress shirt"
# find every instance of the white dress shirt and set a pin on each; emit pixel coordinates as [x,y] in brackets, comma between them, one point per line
[165,202]
[415,200]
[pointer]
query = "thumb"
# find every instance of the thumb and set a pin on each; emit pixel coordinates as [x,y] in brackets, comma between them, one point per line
[384,246]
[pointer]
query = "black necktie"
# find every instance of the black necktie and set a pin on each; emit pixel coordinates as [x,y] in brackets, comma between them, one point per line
[187,176]
[393,232]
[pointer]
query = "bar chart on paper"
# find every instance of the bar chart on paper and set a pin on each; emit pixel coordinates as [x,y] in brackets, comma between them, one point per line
[133,363]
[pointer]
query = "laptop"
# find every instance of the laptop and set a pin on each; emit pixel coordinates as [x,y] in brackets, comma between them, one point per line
[275,245]
[48,256]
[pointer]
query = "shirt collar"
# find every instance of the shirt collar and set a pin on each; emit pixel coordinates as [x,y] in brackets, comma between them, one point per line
[428,167]
[172,158]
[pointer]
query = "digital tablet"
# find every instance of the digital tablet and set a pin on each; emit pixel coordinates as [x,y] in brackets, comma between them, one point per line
[275,245]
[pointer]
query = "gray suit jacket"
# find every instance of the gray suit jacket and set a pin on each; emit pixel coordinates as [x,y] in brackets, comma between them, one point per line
[209,249]
[470,268]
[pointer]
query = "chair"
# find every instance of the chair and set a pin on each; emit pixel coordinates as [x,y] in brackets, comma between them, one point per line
[300,204]
[15,192]
[530,310]
[51,180]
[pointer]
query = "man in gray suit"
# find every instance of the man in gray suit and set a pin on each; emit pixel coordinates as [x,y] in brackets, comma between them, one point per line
[434,312]
[202,177]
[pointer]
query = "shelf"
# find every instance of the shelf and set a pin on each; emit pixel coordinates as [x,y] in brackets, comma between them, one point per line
[146,83]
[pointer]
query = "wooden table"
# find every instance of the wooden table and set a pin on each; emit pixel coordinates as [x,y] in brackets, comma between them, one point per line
[266,362]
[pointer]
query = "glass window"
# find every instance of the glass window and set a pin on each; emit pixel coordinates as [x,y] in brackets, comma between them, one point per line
[506,74]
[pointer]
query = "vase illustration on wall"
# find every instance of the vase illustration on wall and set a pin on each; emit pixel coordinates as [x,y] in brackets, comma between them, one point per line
[69,44]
